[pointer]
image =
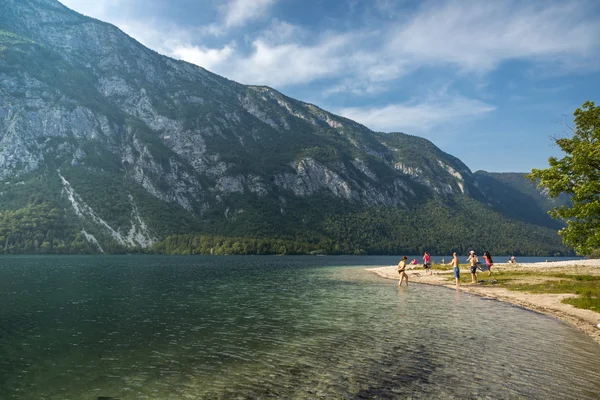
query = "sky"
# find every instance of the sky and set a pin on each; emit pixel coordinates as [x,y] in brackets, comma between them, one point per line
[490,82]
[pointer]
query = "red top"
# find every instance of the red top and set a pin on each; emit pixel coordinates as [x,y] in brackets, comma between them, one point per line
[427,258]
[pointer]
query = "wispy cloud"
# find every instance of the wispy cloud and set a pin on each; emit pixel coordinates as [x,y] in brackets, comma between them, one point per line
[478,36]
[230,15]
[276,58]
[467,36]
[417,116]
[290,63]
[238,12]
[208,58]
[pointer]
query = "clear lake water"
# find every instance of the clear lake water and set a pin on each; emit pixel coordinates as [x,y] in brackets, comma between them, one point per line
[243,327]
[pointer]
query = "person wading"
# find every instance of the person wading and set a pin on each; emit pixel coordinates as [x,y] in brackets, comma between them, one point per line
[402,270]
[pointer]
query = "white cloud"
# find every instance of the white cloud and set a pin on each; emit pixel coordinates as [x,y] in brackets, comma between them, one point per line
[236,14]
[355,86]
[417,116]
[469,36]
[271,63]
[239,12]
[205,57]
[287,64]
[478,36]
[281,32]
[457,35]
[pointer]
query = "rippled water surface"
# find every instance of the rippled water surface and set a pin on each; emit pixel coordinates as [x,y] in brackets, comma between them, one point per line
[145,327]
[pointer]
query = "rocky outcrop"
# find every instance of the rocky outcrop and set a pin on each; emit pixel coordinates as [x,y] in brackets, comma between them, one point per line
[137,236]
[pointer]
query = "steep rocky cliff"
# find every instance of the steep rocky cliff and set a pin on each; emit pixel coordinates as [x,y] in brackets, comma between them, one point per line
[129,146]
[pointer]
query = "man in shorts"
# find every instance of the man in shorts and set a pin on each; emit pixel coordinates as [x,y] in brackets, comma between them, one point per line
[473,260]
[456,269]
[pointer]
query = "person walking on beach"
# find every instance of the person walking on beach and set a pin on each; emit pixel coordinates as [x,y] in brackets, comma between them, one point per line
[473,260]
[427,264]
[402,270]
[488,261]
[454,263]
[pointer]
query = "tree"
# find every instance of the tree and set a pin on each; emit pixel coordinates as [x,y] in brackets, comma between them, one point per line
[578,175]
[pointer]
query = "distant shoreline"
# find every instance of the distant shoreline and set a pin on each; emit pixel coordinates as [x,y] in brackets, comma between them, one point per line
[549,304]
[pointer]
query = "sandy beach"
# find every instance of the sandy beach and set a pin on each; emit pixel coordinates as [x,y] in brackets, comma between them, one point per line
[549,304]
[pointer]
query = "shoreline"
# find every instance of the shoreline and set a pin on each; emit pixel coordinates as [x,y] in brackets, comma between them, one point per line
[586,321]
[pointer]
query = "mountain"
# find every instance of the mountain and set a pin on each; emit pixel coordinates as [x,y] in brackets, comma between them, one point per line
[108,146]
[519,198]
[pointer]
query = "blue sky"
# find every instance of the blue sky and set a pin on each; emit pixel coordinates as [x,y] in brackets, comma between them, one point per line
[489,82]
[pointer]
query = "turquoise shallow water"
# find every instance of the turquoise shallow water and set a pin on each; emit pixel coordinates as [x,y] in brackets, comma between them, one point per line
[145,327]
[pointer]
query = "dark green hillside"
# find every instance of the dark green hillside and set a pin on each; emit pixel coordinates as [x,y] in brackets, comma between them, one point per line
[34,219]
[436,226]
[517,197]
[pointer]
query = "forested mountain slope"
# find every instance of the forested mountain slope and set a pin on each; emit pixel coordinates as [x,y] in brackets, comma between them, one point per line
[107,146]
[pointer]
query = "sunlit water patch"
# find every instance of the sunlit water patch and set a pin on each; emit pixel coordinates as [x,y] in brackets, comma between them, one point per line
[270,327]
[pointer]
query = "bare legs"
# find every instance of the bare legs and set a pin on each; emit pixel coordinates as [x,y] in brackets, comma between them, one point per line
[457,275]
[402,277]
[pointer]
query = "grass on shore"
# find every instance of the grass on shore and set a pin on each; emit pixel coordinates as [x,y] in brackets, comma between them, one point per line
[586,287]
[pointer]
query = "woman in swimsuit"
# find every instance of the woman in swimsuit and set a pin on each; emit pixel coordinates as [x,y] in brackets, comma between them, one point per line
[456,269]
[488,261]
[401,270]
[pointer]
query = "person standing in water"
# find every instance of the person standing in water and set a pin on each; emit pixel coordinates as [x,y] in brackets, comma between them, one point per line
[427,264]
[402,270]
[454,263]
[488,261]
[473,260]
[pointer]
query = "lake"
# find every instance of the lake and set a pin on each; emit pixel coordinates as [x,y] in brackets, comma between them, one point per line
[189,327]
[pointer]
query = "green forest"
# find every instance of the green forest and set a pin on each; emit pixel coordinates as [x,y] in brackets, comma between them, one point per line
[434,226]
[36,217]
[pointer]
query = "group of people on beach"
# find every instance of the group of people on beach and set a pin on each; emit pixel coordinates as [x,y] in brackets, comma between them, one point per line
[473,261]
